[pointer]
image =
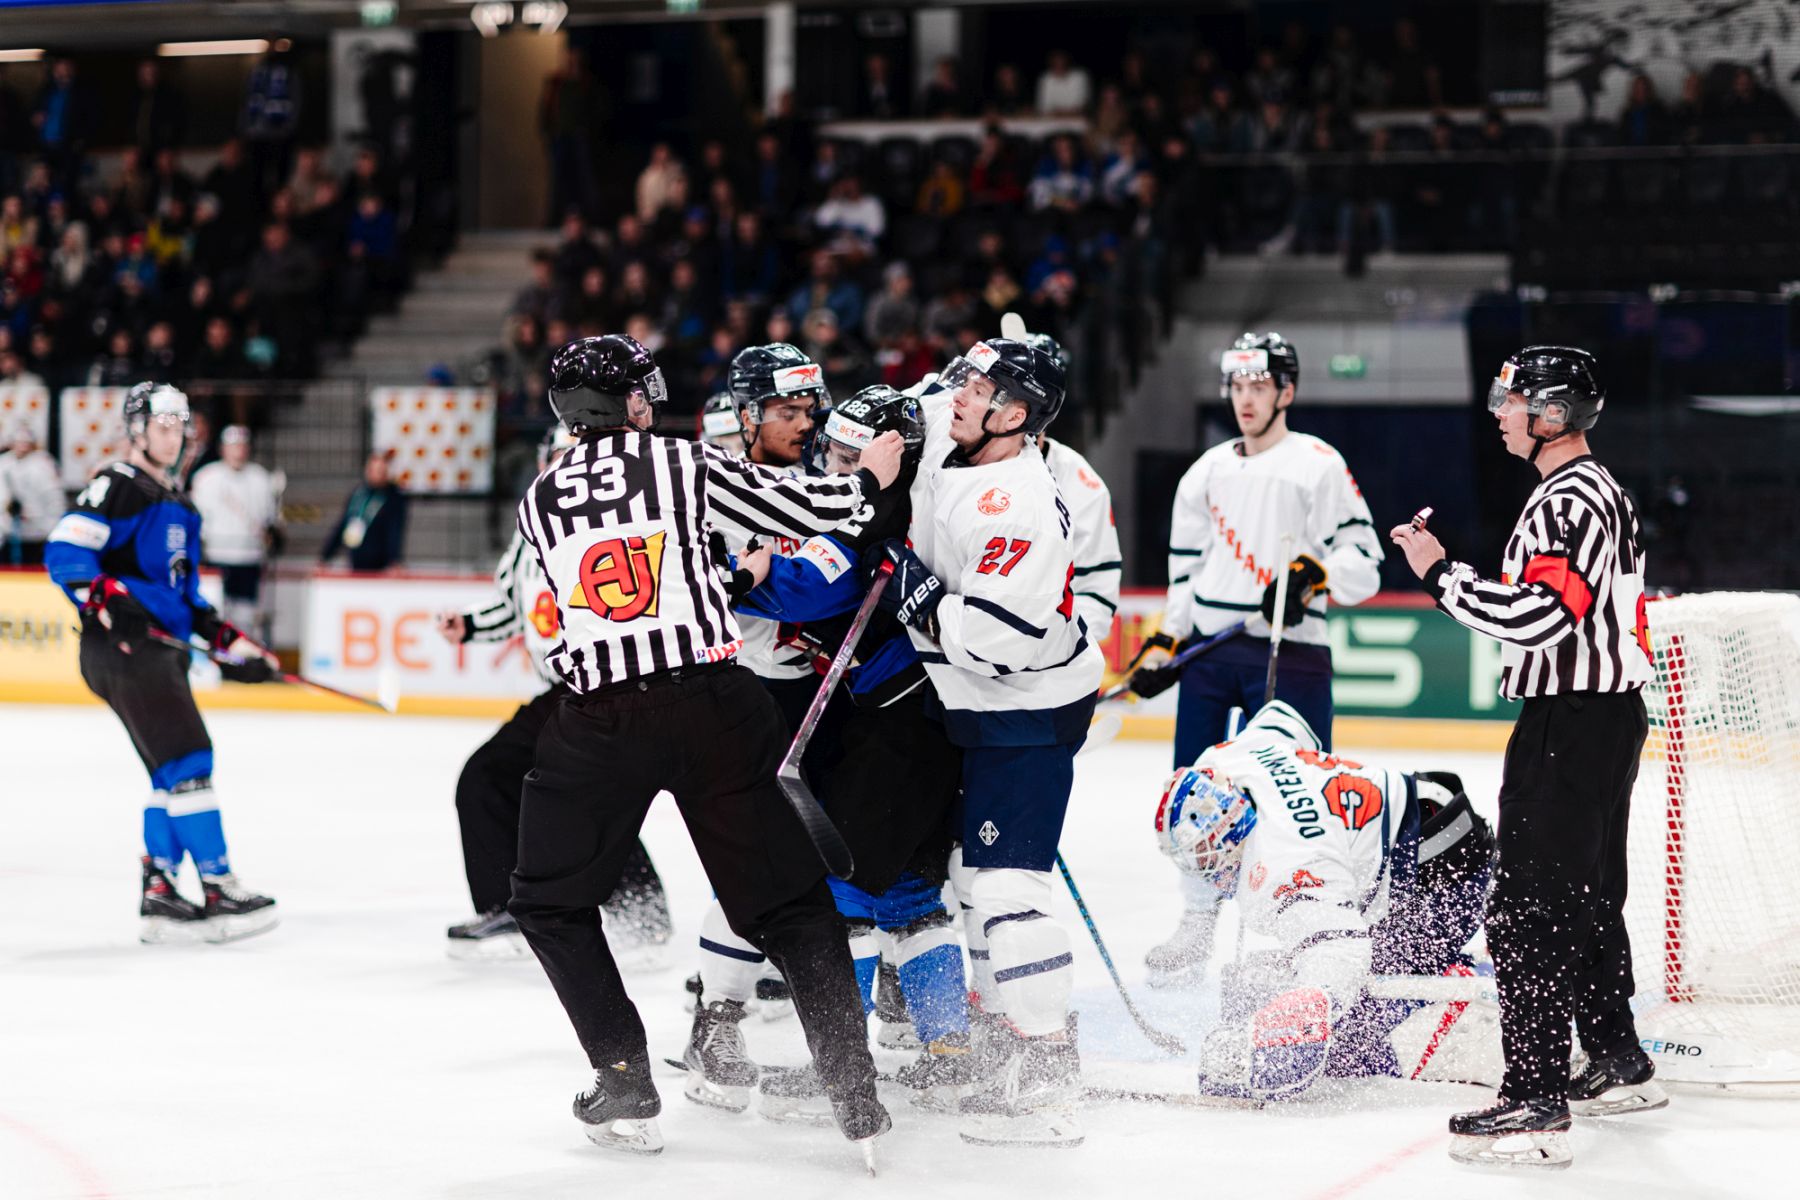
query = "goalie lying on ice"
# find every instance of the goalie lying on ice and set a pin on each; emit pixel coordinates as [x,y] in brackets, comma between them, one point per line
[1367,879]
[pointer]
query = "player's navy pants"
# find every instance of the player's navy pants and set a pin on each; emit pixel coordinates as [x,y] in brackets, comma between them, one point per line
[1233,674]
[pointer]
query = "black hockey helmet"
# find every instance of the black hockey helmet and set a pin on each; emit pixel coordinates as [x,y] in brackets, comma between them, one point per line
[593,378]
[761,374]
[1049,345]
[1456,844]
[719,420]
[1019,373]
[856,422]
[1258,356]
[1559,383]
[147,401]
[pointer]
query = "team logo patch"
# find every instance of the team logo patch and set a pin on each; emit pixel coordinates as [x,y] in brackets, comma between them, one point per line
[1248,362]
[543,615]
[1507,371]
[1353,800]
[807,378]
[1089,478]
[987,833]
[993,502]
[1259,875]
[981,356]
[1301,880]
[620,577]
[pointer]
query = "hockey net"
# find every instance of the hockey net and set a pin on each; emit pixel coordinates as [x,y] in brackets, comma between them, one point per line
[1714,907]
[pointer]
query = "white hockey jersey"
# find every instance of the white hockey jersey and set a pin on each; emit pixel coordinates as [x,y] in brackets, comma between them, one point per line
[1098,564]
[1012,650]
[762,651]
[1316,868]
[1225,536]
[523,605]
[237,507]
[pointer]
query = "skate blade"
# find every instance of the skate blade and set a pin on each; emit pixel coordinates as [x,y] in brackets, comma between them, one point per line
[783,1111]
[167,931]
[503,947]
[1046,1130]
[868,1153]
[715,1095]
[236,929]
[1627,1098]
[1548,1151]
[632,1137]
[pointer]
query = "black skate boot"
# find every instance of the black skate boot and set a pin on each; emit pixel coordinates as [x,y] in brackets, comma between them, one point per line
[1033,1100]
[492,935]
[720,1073]
[793,1096]
[1513,1133]
[1616,1085]
[167,915]
[619,1112]
[234,911]
[893,1024]
[940,1073]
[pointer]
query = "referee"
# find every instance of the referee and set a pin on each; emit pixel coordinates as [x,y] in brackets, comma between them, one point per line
[620,528]
[1568,610]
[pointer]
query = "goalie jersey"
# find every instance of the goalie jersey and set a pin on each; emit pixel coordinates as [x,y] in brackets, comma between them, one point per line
[522,606]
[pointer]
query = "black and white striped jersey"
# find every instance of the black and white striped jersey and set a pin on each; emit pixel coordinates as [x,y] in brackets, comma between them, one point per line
[621,527]
[1568,608]
[522,606]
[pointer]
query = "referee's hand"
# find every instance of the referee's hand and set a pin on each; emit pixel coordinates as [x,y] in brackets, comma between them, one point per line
[881,458]
[1421,547]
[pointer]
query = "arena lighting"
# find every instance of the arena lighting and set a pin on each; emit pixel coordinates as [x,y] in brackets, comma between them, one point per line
[20,55]
[196,49]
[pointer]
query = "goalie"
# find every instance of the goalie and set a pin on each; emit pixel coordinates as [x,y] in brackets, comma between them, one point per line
[1364,877]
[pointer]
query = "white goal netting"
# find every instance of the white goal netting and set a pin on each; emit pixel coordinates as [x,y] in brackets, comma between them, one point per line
[1714,907]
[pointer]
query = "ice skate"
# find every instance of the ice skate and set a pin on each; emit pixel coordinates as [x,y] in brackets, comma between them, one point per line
[893,1025]
[940,1073]
[720,1073]
[492,935]
[167,917]
[1513,1133]
[233,911]
[619,1111]
[1034,1099]
[794,1096]
[863,1120]
[1181,960]
[1616,1085]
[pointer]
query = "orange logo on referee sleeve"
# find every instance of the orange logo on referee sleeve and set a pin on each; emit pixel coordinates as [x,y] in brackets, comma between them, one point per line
[543,615]
[1643,628]
[620,577]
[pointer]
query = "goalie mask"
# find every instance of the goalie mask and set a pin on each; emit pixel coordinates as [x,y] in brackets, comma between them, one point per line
[1202,823]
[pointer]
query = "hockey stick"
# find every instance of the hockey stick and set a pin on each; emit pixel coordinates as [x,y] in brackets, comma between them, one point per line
[1123,687]
[1166,1042]
[1278,618]
[825,836]
[385,704]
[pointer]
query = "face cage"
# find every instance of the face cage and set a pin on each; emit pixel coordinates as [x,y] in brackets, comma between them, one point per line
[1213,848]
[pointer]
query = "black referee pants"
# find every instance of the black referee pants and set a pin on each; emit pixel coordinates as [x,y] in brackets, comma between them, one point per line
[713,738]
[1555,920]
[487,811]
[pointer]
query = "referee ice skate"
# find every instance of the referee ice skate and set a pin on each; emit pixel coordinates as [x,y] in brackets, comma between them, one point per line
[1568,610]
[648,649]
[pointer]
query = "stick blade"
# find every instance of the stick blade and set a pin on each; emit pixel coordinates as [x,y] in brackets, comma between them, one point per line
[825,836]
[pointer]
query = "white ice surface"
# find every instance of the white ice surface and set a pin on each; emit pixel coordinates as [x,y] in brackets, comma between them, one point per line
[343,1055]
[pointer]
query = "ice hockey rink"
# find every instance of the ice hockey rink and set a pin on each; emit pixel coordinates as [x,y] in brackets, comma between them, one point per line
[343,1055]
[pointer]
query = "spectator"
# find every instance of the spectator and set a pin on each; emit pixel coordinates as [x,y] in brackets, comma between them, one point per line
[31,497]
[576,253]
[1324,188]
[1689,120]
[826,289]
[535,299]
[1119,172]
[117,366]
[1110,120]
[1134,79]
[823,174]
[716,167]
[749,267]
[637,291]
[213,250]
[1000,294]
[1494,198]
[270,119]
[1369,199]
[309,176]
[774,190]
[1063,88]
[995,178]
[24,273]
[684,308]
[882,98]
[170,238]
[159,116]
[372,529]
[1751,114]
[1270,80]
[1007,97]
[376,232]
[590,306]
[1643,121]
[894,310]
[1064,181]
[1342,78]
[852,220]
[282,283]
[240,521]
[823,340]
[1272,132]
[219,356]
[656,183]
[943,96]
[158,362]
[233,187]
[1437,191]
[942,194]
[64,121]
[17,227]
[569,119]
[369,175]
[169,182]
[1217,128]
[947,312]
[1413,79]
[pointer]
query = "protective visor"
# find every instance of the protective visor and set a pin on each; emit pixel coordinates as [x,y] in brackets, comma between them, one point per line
[839,450]
[1548,399]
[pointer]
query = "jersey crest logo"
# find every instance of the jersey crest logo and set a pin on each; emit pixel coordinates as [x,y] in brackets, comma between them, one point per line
[987,833]
[620,577]
[1301,880]
[1089,478]
[799,379]
[543,615]
[993,502]
[1353,800]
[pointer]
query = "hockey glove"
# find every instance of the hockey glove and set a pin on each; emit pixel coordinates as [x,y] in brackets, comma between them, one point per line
[1306,579]
[116,609]
[913,593]
[249,670]
[240,659]
[1155,680]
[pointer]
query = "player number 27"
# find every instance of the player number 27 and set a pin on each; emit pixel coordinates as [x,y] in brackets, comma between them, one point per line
[999,548]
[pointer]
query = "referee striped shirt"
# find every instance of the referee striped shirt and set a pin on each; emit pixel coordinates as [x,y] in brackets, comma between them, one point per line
[1568,609]
[622,527]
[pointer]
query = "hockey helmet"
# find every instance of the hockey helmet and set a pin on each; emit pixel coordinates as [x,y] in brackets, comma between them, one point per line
[1559,383]
[1046,344]
[1202,822]
[161,402]
[719,423]
[1259,356]
[1018,372]
[1456,844]
[856,422]
[592,380]
[761,375]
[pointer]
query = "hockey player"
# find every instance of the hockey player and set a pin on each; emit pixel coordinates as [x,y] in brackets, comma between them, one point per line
[125,555]
[1233,509]
[720,425]
[896,821]
[1354,871]
[985,587]
[487,791]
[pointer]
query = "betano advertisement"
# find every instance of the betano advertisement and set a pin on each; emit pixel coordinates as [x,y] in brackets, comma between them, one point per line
[1395,656]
